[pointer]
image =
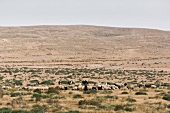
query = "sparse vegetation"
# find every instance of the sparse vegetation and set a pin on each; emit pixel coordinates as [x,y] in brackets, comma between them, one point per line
[166,97]
[90,92]
[44,94]
[140,93]
[77,96]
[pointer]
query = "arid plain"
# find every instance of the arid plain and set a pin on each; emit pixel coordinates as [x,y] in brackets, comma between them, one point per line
[41,56]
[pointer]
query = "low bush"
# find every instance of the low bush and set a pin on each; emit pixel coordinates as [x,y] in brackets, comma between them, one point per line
[124,92]
[37,91]
[89,102]
[21,111]
[166,97]
[47,82]
[90,92]
[1,92]
[18,82]
[131,100]
[8,110]
[64,82]
[111,97]
[118,107]
[69,112]
[53,90]
[129,109]
[40,108]
[77,96]
[140,93]
[15,93]
[58,96]
[5,110]
[123,108]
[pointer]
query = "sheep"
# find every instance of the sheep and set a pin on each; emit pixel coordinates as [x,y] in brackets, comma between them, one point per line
[89,87]
[107,87]
[6,87]
[99,87]
[60,87]
[75,88]
[43,88]
[114,87]
[153,86]
[81,87]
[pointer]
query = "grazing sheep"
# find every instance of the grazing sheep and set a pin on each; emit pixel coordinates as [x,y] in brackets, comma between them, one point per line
[60,87]
[99,87]
[89,87]
[6,87]
[153,86]
[43,88]
[119,85]
[114,87]
[80,87]
[75,88]
[70,82]
[106,87]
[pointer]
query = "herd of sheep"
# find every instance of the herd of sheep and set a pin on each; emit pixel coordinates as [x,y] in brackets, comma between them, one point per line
[84,86]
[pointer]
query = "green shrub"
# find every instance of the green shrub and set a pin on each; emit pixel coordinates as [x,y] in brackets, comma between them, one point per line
[8,110]
[73,111]
[108,96]
[40,108]
[166,97]
[1,92]
[17,82]
[5,110]
[77,96]
[107,92]
[47,82]
[37,96]
[89,102]
[129,109]
[16,93]
[37,91]
[159,91]
[34,81]
[140,93]
[70,112]
[21,111]
[37,111]
[124,92]
[111,97]
[131,100]
[53,90]
[44,96]
[58,96]
[64,82]
[70,93]
[118,107]
[90,92]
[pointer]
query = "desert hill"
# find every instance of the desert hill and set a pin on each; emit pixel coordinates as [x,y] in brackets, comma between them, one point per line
[80,42]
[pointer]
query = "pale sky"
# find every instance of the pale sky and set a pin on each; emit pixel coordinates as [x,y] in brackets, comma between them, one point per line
[116,13]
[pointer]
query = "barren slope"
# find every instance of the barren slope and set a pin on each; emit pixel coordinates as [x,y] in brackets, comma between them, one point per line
[53,43]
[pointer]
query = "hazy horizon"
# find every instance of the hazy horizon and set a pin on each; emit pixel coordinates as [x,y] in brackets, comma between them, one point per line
[151,14]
